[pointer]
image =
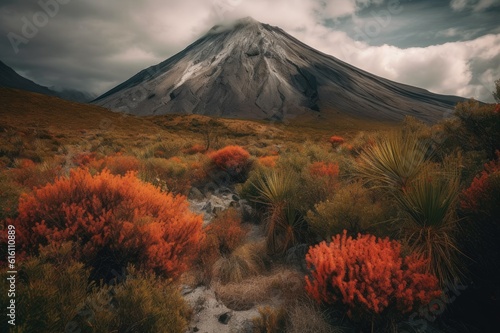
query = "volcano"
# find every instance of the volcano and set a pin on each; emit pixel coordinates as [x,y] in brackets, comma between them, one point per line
[252,70]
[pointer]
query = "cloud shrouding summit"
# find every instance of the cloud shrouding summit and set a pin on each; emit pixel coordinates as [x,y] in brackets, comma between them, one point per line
[446,47]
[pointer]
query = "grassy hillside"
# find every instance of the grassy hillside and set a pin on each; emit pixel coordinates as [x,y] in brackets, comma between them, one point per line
[114,215]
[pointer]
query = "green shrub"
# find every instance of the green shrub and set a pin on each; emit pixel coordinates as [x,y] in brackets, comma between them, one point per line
[9,196]
[170,175]
[352,207]
[49,291]
[481,124]
[142,303]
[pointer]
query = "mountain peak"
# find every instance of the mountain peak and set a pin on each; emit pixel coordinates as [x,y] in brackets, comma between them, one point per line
[251,70]
[247,21]
[242,23]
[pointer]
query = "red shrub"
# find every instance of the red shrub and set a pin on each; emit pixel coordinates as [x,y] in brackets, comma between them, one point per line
[336,140]
[233,159]
[322,169]
[268,161]
[112,221]
[482,195]
[368,276]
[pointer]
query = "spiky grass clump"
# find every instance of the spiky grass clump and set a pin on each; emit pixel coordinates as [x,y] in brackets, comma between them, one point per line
[391,162]
[275,186]
[428,205]
[277,189]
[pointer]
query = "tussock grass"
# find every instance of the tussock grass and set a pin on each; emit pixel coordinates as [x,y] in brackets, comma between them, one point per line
[305,316]
[247,260]
[280,285]
[270,320]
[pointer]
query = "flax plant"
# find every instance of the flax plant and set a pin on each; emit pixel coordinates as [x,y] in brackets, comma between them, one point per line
[430,226]
[392,161]
[284,224]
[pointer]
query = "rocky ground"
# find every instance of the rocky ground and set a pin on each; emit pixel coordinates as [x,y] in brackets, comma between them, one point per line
[210,315]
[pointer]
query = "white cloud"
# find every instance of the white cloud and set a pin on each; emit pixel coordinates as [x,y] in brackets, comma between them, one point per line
[450,32]
[458,5]
[483,4]
[99,47]
[445,69]
[475,5]
[340,8]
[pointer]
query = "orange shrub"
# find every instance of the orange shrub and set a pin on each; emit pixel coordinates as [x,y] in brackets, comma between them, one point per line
[30,175]
[223,235]
[119,164]
[228,231]
[323,169]
[268,161]
[84,159]
[336,140]
[482,195]
[173,174]
[112,221]
[233,159]
[194,149]
[368,276]
[197,172]
[324,175]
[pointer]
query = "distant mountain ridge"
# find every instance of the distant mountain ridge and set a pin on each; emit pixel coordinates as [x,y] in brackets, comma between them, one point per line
[11,79]
[257,71]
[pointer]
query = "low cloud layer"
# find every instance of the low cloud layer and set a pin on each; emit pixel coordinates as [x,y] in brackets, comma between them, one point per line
[450,48]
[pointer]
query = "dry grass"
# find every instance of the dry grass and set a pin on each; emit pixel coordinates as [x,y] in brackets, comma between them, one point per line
[245,261]
[305,316]
[59,122]
[270,320]
[282,285]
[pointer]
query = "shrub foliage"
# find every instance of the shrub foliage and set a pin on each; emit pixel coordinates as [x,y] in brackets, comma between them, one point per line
[368,276]
[481,197]
[112,220]
[235,160]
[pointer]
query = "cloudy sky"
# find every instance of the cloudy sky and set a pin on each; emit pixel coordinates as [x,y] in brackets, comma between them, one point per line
[445,46]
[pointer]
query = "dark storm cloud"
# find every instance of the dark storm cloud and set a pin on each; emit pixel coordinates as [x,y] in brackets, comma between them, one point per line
[93,45]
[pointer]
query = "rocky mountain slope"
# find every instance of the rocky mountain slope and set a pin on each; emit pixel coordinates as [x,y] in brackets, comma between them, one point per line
[9,78]
[257,71]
